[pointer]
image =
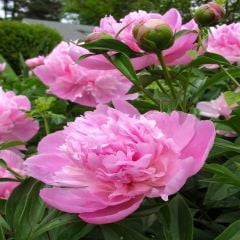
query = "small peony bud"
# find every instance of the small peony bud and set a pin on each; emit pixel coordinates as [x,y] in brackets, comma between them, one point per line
[153,35]
[2,67]
[209,14]
[92,37]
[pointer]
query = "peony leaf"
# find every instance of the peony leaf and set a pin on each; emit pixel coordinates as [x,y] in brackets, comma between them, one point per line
[232,232]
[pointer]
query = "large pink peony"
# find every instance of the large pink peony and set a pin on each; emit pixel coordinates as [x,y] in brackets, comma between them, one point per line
[177,54]
[105,163]
[15,162]
[14,124]
[225,40]
[69,80]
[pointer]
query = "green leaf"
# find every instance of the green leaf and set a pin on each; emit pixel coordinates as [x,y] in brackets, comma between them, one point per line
[24,209]
[55,223]
[110,44]
[118,231]
[122,62]
[232,97]
[177,220]
[8,179]
[216,78]
[7,145]
[181,226]
[210,58]
[231,233]
[2,237]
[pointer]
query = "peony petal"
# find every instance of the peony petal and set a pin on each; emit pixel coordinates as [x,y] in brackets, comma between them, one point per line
[44,166]
[112,213]
[71,200]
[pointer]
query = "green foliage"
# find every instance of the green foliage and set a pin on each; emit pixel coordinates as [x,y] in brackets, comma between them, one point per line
[20,39]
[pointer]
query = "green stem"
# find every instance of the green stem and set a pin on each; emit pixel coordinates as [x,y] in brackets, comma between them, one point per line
[46,124]
[166,74]
[230,76]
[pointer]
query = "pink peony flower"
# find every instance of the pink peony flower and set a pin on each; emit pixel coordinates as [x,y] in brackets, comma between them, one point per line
[177,54]
[225,40]
[14,124]
[69,80]
[105,163]
[2,67]
[215,108]
[34,62]
[15,162]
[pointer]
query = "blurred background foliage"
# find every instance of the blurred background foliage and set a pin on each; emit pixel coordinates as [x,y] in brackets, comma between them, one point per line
[90,11]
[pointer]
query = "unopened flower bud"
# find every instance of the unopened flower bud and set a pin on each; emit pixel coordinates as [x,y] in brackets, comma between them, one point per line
[153,35]
[209,14]
[92,37]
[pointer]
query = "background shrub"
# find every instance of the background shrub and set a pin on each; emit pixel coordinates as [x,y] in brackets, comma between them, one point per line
[20,39]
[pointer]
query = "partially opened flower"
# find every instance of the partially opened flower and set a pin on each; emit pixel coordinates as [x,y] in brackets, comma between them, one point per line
[67,79]
[209,14]
[14,124]
[215,108]
[225,40]
[177,54]
[2,67]
[105,163]
[15,162]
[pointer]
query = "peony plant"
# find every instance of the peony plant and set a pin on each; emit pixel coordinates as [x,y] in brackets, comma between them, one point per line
[138,133]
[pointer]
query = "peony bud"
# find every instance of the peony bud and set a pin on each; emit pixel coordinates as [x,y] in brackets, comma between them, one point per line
[209,14]
[92,37]
[153,35]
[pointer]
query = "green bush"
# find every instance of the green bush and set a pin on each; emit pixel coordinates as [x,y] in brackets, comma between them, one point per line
[21,39]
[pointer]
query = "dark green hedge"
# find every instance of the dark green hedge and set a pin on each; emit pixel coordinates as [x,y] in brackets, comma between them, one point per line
[28,40]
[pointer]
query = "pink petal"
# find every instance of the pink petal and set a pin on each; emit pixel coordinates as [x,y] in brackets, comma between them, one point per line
[71,200]
[44,166]
[113,213]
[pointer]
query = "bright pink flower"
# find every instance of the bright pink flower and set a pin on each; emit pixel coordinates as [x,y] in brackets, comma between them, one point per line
[34,62]
[175,55]
[215,108]
[105,163]
[69,80]
[225,40]
[2,67]
[14,124]
[15,162]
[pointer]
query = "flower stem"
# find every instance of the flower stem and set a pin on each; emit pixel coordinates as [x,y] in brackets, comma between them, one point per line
[166,74]
[230,76]
[46,124]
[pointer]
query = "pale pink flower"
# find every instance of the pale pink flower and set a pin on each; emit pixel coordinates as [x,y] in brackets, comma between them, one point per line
[68,79]
[177,54]
[225,40]
[34,62]
[105,163]
[2,67]
[15,162]
[14,124]
[215,108]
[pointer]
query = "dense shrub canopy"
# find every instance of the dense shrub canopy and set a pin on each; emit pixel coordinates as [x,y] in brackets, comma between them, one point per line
[18,39]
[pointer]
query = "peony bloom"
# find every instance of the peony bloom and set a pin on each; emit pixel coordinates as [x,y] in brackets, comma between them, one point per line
[67,79]
[177,54]
[15,162]
[2,67]
[105,163]
[225,40]
[215,108]
[34,62]
[14,124]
